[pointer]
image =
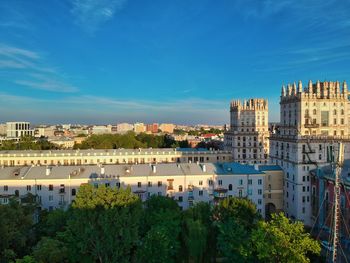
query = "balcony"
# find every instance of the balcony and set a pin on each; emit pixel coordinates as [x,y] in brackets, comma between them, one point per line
[312,125]
[220,193]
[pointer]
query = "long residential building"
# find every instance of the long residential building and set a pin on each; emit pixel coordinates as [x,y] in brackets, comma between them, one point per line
[111,156]
[312,120]
[188,183]
[248,135]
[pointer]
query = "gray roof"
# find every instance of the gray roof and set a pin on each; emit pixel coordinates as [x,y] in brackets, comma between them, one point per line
[113,171]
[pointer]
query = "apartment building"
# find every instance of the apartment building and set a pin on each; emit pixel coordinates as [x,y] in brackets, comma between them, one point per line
[188,183]
[111,156]
[248,135]
[312,118]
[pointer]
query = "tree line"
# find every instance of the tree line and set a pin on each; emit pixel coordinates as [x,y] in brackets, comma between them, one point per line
[112,225]
[130,140]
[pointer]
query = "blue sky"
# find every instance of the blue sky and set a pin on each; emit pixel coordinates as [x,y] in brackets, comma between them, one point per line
[182,61]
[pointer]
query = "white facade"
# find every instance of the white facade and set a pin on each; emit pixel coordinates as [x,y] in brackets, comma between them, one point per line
[311,119]
[187,183]
[18,129]
[248,134]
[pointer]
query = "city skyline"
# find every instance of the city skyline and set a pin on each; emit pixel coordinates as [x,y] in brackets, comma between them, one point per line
[159,61]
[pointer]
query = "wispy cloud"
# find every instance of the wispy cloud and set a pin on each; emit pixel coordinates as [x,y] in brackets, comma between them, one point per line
[48,85]
[91,14]
[29,68]
[95,109]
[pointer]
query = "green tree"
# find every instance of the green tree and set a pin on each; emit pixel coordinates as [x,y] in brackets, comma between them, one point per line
[280,240]
[103,226]
[16,222]
[49,250]
[157,246]
[234,242]
[235,218]
[162,217]
[198,234]
[26,259]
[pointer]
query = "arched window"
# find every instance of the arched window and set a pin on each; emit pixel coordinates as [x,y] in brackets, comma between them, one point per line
[335,112]
[314,111]
[230,187]
[74,192]
[180,188]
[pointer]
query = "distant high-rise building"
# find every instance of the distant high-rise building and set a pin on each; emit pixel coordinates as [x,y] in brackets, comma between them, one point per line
[18,129]
[248,135]
[139,127]
[312,120]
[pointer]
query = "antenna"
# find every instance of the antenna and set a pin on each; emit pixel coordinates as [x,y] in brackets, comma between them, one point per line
[337,172]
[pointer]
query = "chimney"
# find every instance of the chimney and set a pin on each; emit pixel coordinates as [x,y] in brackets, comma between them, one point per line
[102,170]
[48,171]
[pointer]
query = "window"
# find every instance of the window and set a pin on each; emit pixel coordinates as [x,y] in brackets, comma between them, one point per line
[210,182]
[50,198]
[38,187]
[220,182]
[29,188]
[201,182]
[304,178]
[6,188]
[159,183]
[159,193]
[259,201]
[107,184]
[240,181]
[250,191]
[74,192]
[230,187]
[250,181]
[117,184]
[180,199]
[260,181]
[200,193]
[240,193]
[303,210]
[259,192]
[51,187]
[180,188]
[139,184]
[149,184]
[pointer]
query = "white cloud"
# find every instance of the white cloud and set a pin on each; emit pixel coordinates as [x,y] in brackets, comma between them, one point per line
[29,68]
[91,14]
[48,85]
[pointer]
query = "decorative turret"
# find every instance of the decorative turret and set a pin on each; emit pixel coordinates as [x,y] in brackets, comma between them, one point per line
[289,90]
[310,86]
[318,87]
[294,89]
[283,91]
[345,87]
[300,87]
[337,87]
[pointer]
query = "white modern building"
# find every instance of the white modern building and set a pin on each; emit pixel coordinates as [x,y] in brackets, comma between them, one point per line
[312,119]
[188,183]
[18,129]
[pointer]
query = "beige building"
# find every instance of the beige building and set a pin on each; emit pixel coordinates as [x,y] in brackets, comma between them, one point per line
[63,142]
[45,131]
[188,183]
[124,127]
[139,127]
[112,156]
[167,127]
[312,119]
[248,135]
